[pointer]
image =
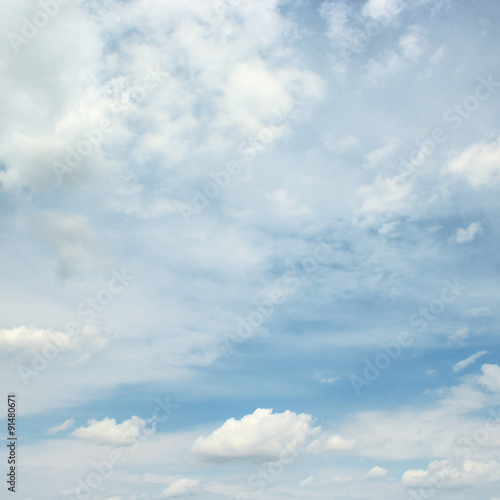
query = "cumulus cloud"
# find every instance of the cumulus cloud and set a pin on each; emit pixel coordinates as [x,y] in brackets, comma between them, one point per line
[468,361]
[464,235]
[181,487]
[260,435]
[447,474]
[490,377]
[30,337]
[20,343]
[62,427]
[108,432]
[479,164]
[377,473]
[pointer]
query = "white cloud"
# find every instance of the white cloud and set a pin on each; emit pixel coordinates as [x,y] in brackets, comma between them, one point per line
[384,196]
[182,487]
[446,474]
[378,8]
[468,234]
[262,434]
[491,377]
[479,164]
[468,361]
[108,432]
[328,442]
[63,427]
[29,337]
[377,473]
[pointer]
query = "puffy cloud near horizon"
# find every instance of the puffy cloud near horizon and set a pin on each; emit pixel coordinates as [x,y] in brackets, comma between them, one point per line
[260,435]
[450,475]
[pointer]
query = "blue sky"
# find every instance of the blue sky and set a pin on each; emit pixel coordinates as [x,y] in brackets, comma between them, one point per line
[250,248]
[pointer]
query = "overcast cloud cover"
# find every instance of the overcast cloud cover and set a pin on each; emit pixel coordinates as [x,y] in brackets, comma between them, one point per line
[249,248]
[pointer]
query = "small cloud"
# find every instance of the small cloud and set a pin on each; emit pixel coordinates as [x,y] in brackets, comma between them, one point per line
[476,312]
[466,235]
[324,378]
[468,361]
[430,372]
[182,487]
[108,432]
[377,473]
[59,428]
[332,443]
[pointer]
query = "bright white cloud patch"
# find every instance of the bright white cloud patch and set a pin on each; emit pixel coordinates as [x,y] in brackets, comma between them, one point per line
[263,434]
[491,377]
[29,337]
[479,164]
[108,432]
